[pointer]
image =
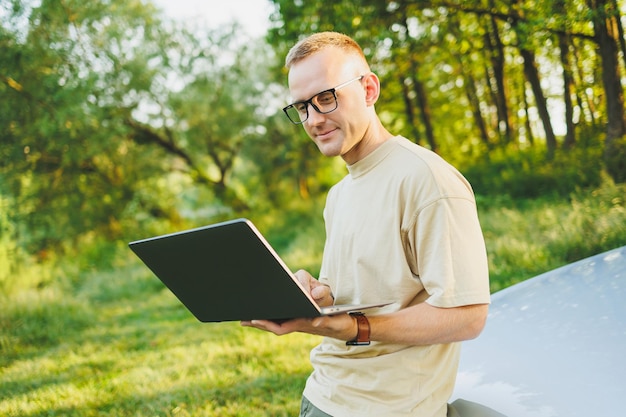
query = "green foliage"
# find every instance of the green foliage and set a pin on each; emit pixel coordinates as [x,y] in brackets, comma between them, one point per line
[99,335]
[615,157]
[117,123]
[9,251]
[529,173]
[299,235]
[528,236]
[72,76]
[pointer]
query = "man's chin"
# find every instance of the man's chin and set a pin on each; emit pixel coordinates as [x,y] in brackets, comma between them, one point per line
[329,150]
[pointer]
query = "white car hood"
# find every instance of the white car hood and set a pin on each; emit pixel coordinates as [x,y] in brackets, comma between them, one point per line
[554,345]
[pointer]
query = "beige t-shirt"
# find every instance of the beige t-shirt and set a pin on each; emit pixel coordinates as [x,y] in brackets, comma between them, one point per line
[402,226]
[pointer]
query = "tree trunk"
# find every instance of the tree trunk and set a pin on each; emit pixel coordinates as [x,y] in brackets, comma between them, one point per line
[422,102]
[529,129]
[470,88]
[606,34]
[585,102]
[494,48]
[472,97]
[409,110]
[532,75]
[568,88]
[420,96]
[559,8]
[620,30]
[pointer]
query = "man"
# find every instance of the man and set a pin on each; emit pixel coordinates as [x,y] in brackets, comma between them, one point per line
[401,226]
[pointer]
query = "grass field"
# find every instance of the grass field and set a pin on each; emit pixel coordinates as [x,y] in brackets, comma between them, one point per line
[123,346]
[85,339]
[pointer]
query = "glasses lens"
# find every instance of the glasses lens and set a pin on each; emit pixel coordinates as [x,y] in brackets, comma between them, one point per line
[297,112]
[325,101]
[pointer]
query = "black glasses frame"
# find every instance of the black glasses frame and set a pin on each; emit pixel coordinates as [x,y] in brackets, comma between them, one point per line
[306,103]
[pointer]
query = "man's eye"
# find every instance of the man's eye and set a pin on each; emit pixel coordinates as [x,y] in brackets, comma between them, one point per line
[325,98]
[300,107]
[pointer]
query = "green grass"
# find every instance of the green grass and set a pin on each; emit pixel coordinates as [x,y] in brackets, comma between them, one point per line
[527,237]
[93,335]
[123,346]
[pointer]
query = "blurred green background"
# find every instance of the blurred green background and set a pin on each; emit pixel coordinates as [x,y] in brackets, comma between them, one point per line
[118,122]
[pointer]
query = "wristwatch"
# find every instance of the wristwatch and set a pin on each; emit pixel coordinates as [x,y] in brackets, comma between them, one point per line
[363,334]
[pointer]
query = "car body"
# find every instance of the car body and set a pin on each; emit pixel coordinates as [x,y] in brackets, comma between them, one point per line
[554,345]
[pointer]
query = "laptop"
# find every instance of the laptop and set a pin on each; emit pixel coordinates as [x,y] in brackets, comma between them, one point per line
[229,272]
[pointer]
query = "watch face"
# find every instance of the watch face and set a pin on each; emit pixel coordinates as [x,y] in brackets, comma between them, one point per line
[357,343]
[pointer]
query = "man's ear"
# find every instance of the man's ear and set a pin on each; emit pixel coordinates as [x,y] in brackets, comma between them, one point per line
[372,88]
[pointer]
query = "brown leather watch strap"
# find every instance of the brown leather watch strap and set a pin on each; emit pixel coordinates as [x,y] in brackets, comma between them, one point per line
[363,333]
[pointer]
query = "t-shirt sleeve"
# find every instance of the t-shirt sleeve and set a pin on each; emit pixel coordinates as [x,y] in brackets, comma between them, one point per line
[450,255]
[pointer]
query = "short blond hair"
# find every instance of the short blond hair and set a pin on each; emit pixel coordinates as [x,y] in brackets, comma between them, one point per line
[319,41]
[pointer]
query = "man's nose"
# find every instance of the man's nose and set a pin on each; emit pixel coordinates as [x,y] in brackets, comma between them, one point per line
[315,117]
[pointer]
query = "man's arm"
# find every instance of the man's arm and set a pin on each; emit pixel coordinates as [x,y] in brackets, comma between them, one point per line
[421,324]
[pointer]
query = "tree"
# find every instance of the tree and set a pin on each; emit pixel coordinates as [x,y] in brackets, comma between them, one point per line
[203,126]
[110,115]
[63,160]
[560,10]
[494,48]
[605,18]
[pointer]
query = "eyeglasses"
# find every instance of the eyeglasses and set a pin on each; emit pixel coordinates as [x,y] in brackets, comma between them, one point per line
[324,102]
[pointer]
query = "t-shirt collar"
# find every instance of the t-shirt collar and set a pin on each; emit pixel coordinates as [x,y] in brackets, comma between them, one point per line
[364,165]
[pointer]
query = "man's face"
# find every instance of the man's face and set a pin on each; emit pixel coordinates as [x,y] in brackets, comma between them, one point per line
[336,133]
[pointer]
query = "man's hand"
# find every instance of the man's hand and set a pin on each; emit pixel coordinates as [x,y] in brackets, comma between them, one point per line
[341,326]
[321,293]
